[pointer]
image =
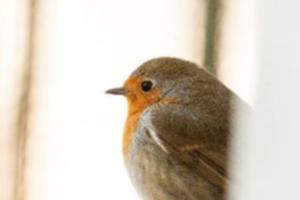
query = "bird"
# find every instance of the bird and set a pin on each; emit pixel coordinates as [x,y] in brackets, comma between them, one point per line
[176,139]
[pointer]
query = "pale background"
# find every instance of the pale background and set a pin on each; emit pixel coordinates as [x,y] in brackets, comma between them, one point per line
[82,48]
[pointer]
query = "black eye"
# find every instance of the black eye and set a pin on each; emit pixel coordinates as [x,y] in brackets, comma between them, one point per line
[146,86]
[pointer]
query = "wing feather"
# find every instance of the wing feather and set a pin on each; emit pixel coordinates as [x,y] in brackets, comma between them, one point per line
[194,141]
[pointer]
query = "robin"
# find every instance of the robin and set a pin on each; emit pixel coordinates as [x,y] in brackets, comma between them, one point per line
[176,136]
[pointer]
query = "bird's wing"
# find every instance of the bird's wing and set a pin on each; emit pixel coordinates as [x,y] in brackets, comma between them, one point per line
[198,141]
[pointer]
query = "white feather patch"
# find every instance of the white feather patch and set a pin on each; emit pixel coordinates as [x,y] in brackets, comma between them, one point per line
[157,140]
[146,121]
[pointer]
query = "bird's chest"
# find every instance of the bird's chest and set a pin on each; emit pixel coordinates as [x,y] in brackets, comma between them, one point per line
[153,172]
[148,167]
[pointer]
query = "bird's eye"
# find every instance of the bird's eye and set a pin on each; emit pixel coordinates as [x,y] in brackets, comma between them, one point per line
[146,86]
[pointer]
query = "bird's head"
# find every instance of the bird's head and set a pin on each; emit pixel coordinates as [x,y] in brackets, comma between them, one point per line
[160,80]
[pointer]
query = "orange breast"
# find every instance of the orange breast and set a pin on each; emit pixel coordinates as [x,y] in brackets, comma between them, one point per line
[138,101]
[130,126]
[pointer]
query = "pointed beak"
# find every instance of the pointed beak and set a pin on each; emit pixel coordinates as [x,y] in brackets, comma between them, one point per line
[116,91]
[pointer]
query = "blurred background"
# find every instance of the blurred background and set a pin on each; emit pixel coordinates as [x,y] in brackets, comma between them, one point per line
[60,135]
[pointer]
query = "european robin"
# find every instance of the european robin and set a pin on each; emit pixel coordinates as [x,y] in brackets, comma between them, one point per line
[176,136]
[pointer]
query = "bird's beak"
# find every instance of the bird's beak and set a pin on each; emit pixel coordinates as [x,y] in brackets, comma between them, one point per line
[116,91]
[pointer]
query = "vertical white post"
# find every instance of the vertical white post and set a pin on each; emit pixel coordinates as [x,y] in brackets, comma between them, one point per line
[268,161]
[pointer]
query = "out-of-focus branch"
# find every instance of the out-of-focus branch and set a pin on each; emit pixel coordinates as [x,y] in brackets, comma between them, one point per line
[24,105]
[213,27]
